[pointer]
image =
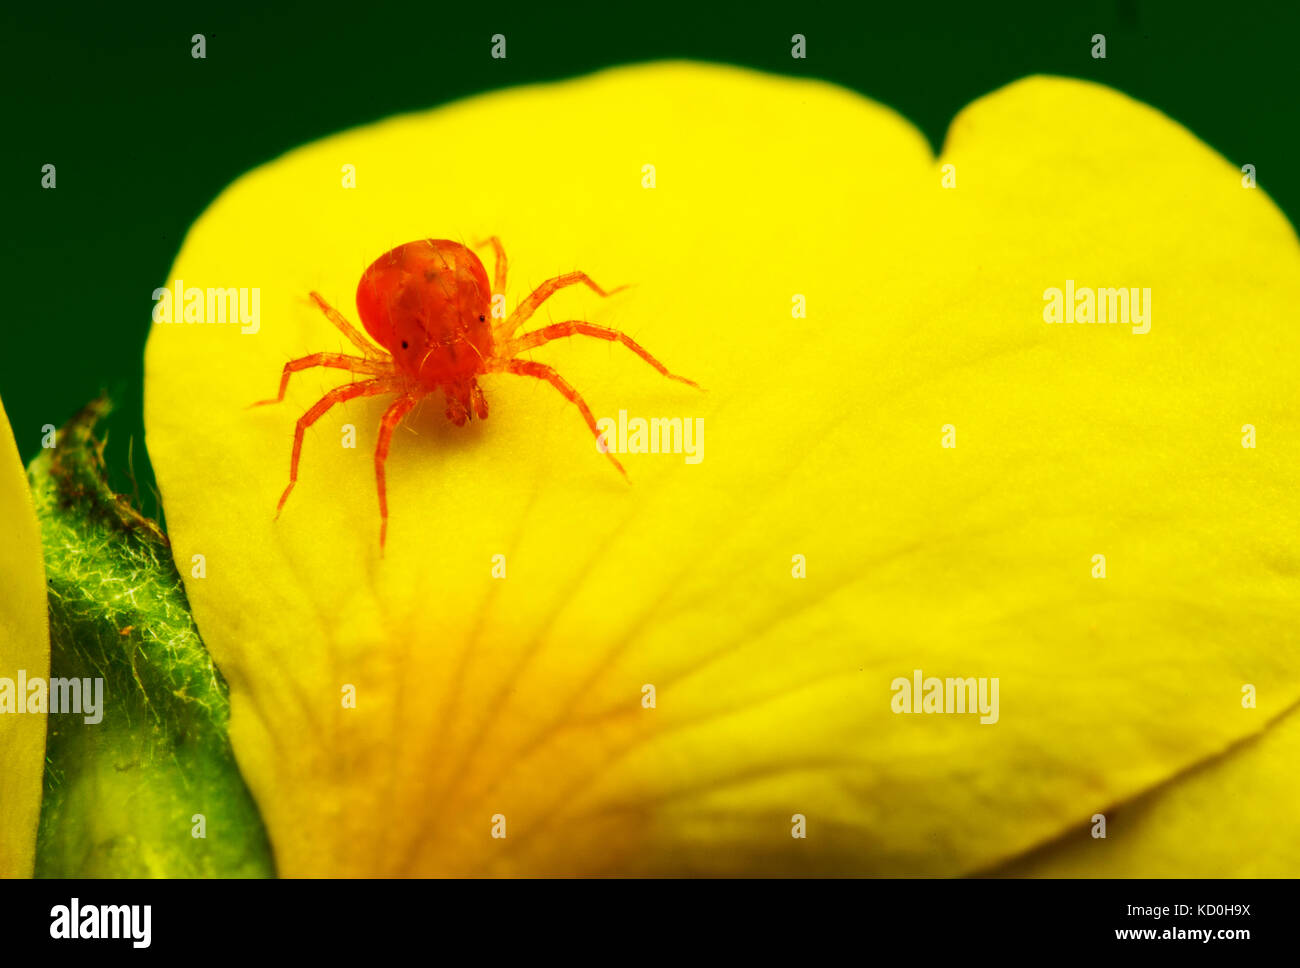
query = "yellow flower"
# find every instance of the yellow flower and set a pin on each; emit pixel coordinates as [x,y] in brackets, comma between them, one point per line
[24,656]
[481,698]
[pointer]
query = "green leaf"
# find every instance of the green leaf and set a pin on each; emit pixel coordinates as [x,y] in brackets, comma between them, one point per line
[123,796]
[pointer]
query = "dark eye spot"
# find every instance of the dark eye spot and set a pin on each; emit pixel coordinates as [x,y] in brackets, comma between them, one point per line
[481,318]
[404,344]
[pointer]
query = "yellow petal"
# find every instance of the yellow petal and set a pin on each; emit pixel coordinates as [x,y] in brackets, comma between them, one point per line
[24,651]
[1228,817]
[522,697]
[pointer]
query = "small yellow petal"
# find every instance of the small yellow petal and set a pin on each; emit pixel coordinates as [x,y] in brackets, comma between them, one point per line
[25,653]
[1229,817]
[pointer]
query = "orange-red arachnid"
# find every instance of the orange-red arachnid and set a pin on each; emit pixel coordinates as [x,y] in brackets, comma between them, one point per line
[427,305]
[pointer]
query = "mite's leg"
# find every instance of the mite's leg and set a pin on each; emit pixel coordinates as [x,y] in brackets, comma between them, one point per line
[346,328]
[544,372]
[576,328]
[542,293]
[392,417]
[366,388]
[340,361]
[478,400]
[499,273]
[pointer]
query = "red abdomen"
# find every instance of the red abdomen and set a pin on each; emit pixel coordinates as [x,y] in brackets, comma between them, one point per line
[428,303]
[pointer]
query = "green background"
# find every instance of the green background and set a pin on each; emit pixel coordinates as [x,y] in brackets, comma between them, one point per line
[144,136]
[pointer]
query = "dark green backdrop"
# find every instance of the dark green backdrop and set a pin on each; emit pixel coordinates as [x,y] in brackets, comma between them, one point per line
[144,136]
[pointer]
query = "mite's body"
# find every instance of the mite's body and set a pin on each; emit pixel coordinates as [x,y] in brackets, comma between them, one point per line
[427,305]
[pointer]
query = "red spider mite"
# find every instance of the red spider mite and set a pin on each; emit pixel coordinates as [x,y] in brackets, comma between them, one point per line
[427,304]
